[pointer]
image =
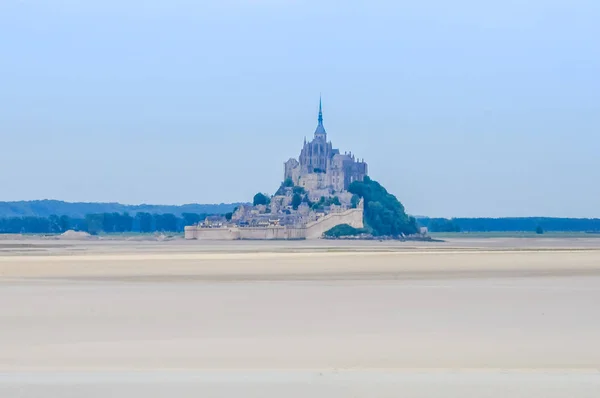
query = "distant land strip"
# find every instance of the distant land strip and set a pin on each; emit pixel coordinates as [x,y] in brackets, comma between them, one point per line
[46,208]
[56,216]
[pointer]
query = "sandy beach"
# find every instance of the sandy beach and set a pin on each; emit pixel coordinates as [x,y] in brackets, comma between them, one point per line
[373,315]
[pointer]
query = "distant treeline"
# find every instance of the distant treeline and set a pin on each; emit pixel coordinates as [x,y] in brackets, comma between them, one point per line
[516,224]
[46,208]
[145,222]
[100,223]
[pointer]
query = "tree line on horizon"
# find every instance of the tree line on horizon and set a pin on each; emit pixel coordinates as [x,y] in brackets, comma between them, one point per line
[100,223]
[511,224]
[46,208]
[384,215]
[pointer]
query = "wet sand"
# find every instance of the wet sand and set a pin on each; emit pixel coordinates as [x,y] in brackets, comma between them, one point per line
[322,319]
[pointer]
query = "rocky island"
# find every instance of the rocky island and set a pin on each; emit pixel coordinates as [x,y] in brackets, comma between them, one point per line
[323,193]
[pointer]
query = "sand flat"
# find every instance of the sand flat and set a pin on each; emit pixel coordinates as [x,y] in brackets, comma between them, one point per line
[342,265]
[402,310]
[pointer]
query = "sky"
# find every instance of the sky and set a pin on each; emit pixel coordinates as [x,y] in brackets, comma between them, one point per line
[461,109]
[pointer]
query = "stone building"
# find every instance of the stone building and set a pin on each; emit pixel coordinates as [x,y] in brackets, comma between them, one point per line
[322,169]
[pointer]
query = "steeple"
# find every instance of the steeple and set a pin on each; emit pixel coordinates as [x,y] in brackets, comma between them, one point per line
[320,131]
[320,111]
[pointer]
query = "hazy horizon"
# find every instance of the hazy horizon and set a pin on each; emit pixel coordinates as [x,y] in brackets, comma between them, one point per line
[460,110]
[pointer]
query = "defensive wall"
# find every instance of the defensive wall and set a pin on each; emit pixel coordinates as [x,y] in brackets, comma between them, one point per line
[312,230]
[316,229]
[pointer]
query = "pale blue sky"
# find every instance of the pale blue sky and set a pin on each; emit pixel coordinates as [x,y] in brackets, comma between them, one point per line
[462,108]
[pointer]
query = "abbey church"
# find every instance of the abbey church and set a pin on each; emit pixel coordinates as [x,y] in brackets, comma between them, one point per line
[321,169]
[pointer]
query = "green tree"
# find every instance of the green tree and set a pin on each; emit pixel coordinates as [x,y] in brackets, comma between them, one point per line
[165,222]
[170,222]
[260,199]
[288,183]
[354,201]
[191,218]
[125,223]
[306,200]
[296,200]
[65,223]
[94,223]
[343,230]
[54,224]
[443,225]
[299,190]
[144,221]
[539,230]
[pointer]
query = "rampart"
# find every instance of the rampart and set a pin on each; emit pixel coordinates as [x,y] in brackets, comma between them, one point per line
[316,229]
[312,230]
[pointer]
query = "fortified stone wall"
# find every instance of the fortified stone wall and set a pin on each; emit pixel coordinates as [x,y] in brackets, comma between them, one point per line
[312,230]
[193,232]
[352,217]
[250,233]
[271,233]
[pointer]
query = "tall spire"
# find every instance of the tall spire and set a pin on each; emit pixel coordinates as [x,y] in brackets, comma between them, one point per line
[320,131]
[320,111]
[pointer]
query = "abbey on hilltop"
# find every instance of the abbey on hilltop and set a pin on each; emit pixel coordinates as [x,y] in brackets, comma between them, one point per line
[312,199]
[321,169]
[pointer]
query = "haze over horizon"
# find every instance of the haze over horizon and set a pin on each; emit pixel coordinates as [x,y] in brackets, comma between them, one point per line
[460,110]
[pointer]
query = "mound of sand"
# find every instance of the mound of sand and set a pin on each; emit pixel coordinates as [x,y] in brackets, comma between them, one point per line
[75,235]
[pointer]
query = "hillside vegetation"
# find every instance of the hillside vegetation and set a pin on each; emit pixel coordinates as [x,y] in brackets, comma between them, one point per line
[343,230]
[384,215]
